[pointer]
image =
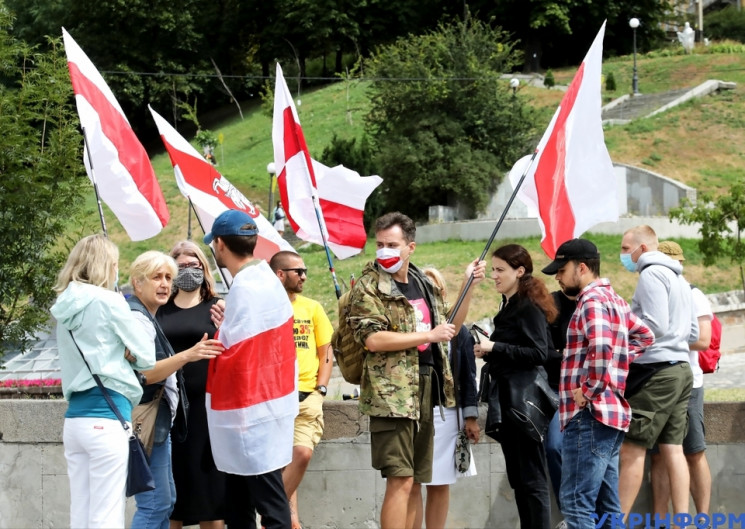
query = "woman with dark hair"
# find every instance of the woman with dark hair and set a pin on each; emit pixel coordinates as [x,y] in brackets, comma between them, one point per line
[185,319]
[520,341]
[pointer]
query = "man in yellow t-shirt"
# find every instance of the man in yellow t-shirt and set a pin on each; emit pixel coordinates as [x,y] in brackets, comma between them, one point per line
[312,342]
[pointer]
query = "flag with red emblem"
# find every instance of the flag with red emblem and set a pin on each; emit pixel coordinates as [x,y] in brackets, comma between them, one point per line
[210,192]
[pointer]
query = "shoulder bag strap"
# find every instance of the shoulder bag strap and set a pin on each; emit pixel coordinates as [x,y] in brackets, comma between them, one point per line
[455,352]
[101,386]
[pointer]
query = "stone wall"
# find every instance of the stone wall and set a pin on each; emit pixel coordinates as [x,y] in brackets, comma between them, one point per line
[340,489]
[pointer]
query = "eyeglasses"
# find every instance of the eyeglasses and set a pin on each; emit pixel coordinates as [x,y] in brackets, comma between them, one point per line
[298,271]
[194,264]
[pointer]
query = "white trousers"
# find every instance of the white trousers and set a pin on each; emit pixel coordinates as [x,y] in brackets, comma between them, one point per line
[97,454]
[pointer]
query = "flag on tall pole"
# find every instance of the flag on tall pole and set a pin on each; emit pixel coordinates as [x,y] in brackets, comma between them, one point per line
[210,192]
[123,173]
[307,186]
[572,185]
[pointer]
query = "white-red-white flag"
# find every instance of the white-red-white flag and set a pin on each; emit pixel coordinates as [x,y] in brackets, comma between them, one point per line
[210,192]
[571,184]
[252,386]
[125,178]
[307,186]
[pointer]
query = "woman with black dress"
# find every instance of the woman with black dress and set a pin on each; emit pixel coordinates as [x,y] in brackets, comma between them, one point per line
[200,487]
[520,341]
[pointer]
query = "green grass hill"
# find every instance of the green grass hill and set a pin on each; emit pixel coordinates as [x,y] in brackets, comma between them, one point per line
[698,143]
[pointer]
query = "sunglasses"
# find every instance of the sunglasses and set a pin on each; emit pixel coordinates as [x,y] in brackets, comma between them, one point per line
[298,271]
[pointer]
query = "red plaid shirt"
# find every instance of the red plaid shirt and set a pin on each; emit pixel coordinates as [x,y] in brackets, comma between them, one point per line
[603,337]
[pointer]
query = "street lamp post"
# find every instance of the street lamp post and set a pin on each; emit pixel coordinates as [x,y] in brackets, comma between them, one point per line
[271,170]
[634,23]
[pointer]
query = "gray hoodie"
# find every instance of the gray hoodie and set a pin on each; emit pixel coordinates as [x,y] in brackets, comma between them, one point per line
[664,302]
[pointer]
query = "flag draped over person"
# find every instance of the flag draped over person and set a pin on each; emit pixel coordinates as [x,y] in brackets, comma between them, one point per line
[314,196]
[210,192]
[252,385]
[571,185]
[121,168]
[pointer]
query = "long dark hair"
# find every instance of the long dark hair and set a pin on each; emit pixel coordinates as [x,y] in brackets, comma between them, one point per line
[207,290]
[528,286]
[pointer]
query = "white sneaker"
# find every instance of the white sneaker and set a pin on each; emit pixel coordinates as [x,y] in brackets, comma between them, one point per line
[562,525]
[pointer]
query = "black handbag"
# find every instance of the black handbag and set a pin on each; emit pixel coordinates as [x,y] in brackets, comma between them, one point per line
[530,400]
[489,393]
[139,476]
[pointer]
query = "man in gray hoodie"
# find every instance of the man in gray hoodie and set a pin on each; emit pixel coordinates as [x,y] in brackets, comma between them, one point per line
[660,380]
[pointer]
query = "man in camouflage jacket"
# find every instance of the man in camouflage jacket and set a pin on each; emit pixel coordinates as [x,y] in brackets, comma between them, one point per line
[399,316]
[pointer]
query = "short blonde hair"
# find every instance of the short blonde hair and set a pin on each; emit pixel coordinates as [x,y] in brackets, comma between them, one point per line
[207,290]
[149,262]
[645,235]
[91,261]
[436,277]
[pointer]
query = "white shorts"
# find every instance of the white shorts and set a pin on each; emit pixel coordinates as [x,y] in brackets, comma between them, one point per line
[443,458]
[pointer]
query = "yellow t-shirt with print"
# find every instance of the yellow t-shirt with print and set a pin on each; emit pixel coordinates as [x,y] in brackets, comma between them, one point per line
[312,328]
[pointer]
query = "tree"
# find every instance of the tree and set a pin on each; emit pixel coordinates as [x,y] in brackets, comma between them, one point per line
[162,37]
[41,181]
[722,222]
[559,32]
[728,23]
[443,124]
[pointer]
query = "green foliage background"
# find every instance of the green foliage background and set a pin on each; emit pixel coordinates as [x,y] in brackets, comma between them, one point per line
[451,129]
[41,180]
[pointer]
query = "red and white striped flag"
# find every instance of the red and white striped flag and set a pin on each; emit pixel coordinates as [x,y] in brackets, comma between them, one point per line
[125,178]
[210,192]
[252,386]
[306,185]
[572,185]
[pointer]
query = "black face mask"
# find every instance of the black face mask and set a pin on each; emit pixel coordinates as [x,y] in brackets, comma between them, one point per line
[189,279]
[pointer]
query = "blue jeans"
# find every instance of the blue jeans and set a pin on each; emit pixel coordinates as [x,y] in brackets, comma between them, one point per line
[552,446]
[154,507]
[589,482]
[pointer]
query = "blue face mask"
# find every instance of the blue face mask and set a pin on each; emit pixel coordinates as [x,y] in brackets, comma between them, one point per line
[627,263]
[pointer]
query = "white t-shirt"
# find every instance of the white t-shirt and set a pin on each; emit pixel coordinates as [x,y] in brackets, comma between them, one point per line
[171,392]
[703,310]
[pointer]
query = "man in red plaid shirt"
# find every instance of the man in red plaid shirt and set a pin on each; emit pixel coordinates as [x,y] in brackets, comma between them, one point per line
[603,338]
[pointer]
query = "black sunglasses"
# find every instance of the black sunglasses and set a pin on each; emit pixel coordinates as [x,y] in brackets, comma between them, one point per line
[298,271]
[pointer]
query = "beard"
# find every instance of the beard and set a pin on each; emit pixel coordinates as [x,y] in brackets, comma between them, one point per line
[571,291]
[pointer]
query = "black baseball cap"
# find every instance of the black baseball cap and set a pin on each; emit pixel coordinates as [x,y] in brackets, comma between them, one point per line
[573,250]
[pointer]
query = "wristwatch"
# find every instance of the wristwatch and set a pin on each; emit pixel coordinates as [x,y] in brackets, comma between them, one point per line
[322,390]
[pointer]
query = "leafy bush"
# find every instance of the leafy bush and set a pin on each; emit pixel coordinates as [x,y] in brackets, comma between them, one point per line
[610,82]
[548,79]
[725,46]
[728,23]
[206,138]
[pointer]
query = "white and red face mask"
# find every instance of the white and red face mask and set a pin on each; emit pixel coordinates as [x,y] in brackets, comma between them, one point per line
[389,259]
